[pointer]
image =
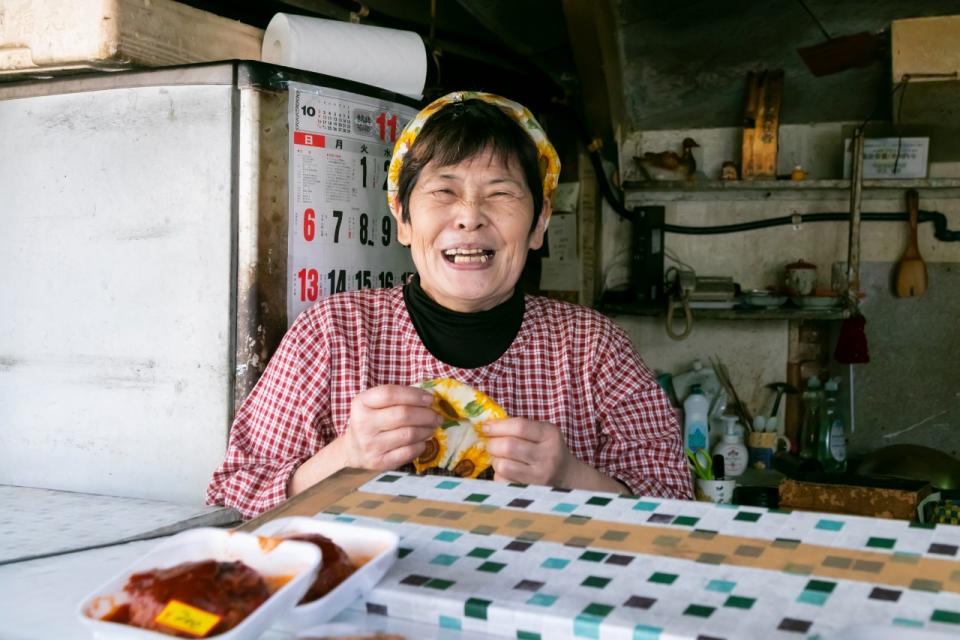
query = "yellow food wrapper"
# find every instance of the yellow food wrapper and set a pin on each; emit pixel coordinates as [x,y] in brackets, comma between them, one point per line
[458,444]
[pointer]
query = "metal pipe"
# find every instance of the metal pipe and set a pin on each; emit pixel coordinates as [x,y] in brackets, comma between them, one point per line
[856,200]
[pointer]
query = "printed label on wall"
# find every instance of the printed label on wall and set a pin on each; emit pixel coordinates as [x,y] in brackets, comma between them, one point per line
[341,234]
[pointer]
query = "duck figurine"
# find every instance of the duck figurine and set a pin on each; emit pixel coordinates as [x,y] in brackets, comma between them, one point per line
[669,165]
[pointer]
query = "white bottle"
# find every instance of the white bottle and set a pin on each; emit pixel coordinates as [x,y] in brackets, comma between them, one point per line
[732,449]
[696,430]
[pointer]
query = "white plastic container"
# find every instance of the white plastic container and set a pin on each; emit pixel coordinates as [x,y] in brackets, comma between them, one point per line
[289,558]
[374,549]
[696,429]
[731,447]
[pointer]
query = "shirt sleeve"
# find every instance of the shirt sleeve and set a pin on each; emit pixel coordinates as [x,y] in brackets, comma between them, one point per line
[272,433]
[640,442]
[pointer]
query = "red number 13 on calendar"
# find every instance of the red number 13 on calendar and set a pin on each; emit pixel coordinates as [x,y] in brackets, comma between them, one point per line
[384,122]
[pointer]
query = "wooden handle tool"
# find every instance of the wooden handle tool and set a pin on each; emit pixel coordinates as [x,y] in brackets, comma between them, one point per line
[911,278]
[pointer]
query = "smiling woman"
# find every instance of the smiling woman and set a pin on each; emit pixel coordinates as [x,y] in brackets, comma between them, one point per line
[469,185]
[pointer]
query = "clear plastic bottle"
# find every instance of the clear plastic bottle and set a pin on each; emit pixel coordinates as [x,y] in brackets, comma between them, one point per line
[812,418]
[832,439]
[696,432]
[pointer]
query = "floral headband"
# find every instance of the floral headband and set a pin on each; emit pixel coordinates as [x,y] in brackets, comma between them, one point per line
[546,154]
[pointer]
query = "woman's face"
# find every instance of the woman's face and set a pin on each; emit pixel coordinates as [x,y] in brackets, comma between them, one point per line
[469,231]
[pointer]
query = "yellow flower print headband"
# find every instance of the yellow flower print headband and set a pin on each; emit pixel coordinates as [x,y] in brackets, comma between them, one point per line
[546,154]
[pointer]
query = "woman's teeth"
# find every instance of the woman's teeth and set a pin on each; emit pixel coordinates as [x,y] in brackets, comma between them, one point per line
[460,256]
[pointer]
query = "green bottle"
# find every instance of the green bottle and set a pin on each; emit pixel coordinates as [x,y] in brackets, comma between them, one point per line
[832,440]
[810,430]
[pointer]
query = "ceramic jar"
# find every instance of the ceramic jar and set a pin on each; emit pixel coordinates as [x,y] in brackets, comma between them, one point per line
[800,278]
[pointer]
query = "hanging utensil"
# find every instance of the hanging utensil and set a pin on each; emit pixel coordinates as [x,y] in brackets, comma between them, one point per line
[911,279]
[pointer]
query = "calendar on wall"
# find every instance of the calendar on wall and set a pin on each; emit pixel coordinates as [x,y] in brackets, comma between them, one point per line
[341,235]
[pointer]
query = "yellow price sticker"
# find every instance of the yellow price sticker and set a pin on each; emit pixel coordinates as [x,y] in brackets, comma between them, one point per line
[182,617]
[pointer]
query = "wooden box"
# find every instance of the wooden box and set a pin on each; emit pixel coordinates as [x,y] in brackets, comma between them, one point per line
[52,34]
[879,502]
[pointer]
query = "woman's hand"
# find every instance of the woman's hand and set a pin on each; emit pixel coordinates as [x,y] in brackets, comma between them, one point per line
[389,426]
[536,453]
[529,452]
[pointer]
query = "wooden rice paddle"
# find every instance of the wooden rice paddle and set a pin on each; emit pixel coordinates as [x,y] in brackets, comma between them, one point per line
[911,277]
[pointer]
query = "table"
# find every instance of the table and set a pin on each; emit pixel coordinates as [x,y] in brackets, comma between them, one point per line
[481,559]
[534,562]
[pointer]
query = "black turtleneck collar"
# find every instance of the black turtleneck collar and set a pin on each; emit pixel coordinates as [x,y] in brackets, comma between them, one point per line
[463,340]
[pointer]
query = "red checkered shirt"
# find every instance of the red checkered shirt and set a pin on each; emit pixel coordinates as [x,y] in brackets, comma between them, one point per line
[568,365]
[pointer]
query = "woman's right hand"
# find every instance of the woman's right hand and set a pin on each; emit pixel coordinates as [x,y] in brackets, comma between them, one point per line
[389,426]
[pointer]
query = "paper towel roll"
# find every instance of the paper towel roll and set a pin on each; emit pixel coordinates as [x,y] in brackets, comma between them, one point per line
[386,58]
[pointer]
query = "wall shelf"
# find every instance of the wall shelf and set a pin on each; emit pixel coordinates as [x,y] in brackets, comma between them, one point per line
[670,191]
[779,313]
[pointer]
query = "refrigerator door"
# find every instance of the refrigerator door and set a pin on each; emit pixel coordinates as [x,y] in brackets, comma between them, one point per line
[117,249]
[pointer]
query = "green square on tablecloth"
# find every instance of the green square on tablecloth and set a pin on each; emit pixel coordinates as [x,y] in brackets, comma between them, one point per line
[564,507]
[596,582]
[798,569]
[578,520]
[592,556]
[907,622]
[941,615]
[476,608]
[823,586]
[388,478]
[702,534]
[739,602]
[829,525]
[721,586]
[396,517]
[586,626]
[662,578]
[666,541]
[483,530]
[646,632]
[481,552]
[476,497]
[345,519]
[615,535]
[599,610]
[527,635]
[447,622]
[813,597]
[555,563]
[922,584]
[699,610]
[542,599]
[711,558]
[491,567]
[442,585]
[519,523]
[517,485]
[447,536]
[748,516]
[448,484]
[645,505]
[881,543]
[403,552]
[685,521]
[599,501]
[444,559]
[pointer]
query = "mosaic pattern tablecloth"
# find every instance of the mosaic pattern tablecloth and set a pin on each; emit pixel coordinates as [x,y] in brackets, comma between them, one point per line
[533,562]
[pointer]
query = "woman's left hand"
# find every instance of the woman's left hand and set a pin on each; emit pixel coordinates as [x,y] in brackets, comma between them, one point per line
[529,452]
